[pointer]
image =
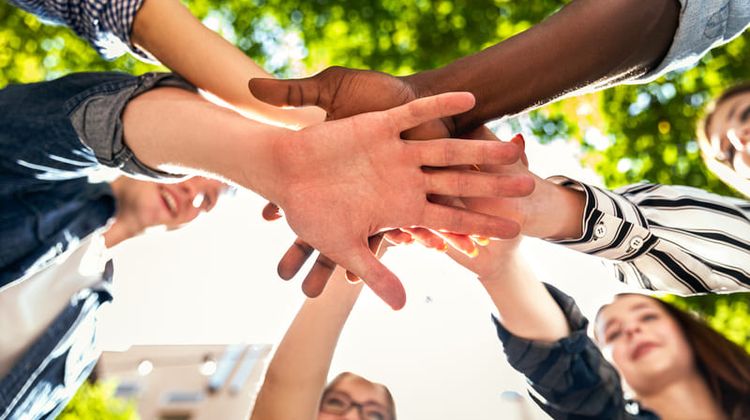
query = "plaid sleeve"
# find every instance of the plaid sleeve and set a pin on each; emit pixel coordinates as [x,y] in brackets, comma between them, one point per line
[569,378]
[106,24]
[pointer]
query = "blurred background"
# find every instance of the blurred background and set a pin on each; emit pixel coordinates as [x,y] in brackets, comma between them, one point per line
[214,283]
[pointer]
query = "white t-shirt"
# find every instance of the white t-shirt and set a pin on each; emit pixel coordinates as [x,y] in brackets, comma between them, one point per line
[29,305]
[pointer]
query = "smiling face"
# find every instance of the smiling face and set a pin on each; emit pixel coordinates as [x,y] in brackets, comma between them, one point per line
[728,133]
[352,397]
[642,340]
[171,205]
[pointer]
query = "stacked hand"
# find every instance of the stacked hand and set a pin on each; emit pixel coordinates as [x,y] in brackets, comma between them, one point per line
[340,188]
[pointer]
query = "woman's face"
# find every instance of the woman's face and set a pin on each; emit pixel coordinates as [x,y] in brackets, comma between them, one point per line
[355,398]
[644,342]
[729,133]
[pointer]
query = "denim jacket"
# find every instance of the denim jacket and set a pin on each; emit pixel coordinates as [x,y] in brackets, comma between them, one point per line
[52,136]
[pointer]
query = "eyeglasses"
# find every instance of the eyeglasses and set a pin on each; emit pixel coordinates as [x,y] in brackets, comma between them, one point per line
[337,402]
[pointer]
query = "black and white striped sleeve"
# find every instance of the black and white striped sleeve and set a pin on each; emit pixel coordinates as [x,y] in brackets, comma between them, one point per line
[668,238]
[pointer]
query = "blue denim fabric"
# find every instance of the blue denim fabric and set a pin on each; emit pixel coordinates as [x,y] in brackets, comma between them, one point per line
[46,206]
[47,376]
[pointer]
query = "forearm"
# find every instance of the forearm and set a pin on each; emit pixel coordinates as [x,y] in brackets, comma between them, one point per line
[589,42]
[168,31]
[525,306]
[298,371]
[178,131]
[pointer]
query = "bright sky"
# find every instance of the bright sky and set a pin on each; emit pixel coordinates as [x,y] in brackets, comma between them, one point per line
[215,282]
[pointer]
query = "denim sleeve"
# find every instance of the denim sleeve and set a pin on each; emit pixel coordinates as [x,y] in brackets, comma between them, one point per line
[106,24]
[569,378]
[704,24]
[69,127]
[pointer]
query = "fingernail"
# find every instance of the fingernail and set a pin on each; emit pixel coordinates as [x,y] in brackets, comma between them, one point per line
[481,240]
[473,253]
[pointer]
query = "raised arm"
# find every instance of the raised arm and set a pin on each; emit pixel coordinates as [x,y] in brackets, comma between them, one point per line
[298,372]
[376,179]
[661,237]
[165,30]
[169,32]
[589,43]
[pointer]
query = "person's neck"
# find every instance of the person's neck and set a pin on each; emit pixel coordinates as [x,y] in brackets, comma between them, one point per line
[687,398]
[125,224]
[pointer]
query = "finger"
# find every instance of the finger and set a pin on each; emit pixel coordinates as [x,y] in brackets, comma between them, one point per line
[427,238]
[520,142]
[462,243]
[377,247]
[422,110]
[292,92]
[451,152]
[294,259]
[398,237]
[271,212]
[457,220]
[318,277]
[382,281]
[477,184]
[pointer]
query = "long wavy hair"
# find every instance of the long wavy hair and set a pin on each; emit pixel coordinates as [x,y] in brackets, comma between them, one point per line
[724,365]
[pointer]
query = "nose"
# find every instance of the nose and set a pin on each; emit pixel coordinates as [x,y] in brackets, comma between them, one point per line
[632,329]
[739,137]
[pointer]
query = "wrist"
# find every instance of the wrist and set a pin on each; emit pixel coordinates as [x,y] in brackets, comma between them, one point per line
[554,211]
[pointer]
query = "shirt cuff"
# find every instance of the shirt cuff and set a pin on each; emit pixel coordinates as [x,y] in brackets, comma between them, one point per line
[116,21]
[526,356]
[612,227]
[703,25]
[96,116]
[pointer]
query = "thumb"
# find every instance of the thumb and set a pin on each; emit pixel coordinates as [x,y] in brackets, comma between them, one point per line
[291,92]
[380,279]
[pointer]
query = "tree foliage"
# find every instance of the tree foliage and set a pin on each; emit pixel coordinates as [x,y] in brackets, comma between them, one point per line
[646,132]
[97,401]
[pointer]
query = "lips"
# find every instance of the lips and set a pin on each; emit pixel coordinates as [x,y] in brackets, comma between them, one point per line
[170,201]
[642,349]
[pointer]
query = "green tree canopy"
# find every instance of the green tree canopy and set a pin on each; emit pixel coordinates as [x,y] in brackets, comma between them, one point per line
[648,129]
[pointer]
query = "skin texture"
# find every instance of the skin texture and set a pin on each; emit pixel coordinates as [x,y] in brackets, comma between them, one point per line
[168,31]
[591,44]
[376,184]
[729,133]
[650,351]
[361,391]
[142,205]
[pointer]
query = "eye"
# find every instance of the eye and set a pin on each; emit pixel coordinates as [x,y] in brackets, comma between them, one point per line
[334,401]
[374,415]
[612,335]
[745,114]
[649,317]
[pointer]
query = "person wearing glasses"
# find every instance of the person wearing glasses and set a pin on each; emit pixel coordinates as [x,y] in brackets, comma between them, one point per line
[295,383]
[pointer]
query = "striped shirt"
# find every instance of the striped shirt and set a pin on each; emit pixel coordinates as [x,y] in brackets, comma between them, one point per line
[668,238]
[106,24]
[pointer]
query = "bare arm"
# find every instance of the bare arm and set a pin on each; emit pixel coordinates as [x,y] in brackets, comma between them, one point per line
[298,372]
[168,31]
[588,43]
